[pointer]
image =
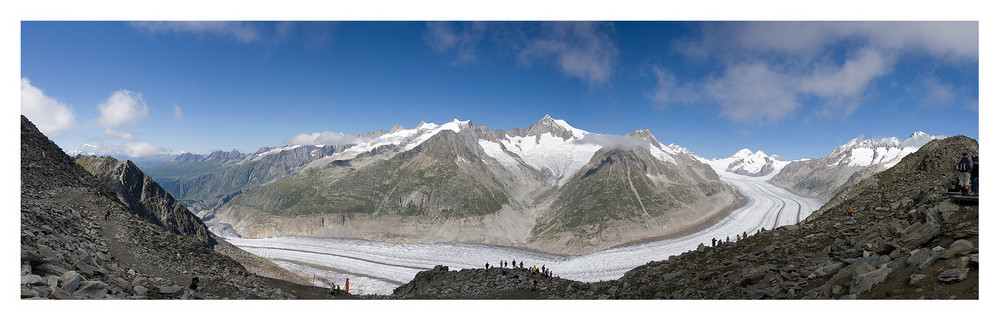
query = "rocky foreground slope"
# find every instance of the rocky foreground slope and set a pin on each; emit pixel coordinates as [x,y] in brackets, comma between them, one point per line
[77,245]
[905,240]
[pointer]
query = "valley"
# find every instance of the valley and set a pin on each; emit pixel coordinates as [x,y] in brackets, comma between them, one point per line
[379,267]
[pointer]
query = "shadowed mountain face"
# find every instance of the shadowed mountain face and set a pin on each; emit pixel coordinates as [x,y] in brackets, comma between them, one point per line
[144,196]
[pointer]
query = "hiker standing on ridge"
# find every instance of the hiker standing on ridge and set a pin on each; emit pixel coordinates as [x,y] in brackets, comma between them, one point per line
[850,209]
[964,168]
[713,241]
[347,285]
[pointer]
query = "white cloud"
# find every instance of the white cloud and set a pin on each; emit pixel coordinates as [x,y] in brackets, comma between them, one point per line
[177,113]
[242,31]
[937,92]
[808,40]
[851,78]
[122,108]
[324,138]
[669,91]
[134,150]
[141,149]
[613,141]
[754,92]
[947,39]
[102,148]
[442,38]
[48,114]
[581,49]
[111,134]
[770,67]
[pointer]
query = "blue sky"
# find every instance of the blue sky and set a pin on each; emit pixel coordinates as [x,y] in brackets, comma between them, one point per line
[796,89]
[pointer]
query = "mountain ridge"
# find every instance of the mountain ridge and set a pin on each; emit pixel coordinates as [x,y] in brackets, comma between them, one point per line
[378,185]
[847,164]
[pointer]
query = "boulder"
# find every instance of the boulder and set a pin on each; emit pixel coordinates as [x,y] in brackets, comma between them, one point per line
[84,268]
[52,281]
[59,294]
[49,268]
[918,256]
[756,275]
[862,268]
[958,248]
[830,268]
[140,290]
[919,233]
[169,289]
[70,281]
[92,290]
[935,255]
[835,284]
[953,275]
[915,278]
[865,282]
[949,212]
[46,252]
[32,279]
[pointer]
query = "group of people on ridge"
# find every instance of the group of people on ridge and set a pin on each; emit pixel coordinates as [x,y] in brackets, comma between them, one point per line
[534,270]
[717,242]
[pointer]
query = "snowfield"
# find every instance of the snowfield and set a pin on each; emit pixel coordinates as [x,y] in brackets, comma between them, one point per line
[379,267]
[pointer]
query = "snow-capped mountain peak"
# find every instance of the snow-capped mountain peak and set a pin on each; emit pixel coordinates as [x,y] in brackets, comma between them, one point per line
[556,127]
[748,163]
[879,151]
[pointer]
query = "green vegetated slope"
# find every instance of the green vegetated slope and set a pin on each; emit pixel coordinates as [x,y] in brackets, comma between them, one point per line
[444,176]
[628,185]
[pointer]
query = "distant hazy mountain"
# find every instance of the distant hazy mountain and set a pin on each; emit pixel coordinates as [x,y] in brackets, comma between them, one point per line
[847,164]
[550,187]
[203,182]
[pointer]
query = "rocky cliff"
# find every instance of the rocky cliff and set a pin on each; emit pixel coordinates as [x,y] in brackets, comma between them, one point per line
[144,196]
[78,245]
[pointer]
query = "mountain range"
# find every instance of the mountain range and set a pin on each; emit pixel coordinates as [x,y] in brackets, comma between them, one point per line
[847,164]
[906,239]
[549,187]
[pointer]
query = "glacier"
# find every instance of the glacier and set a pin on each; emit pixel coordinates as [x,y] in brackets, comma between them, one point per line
[379,267]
